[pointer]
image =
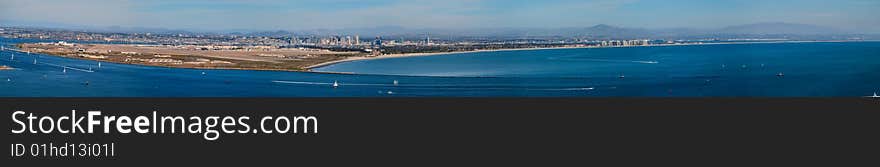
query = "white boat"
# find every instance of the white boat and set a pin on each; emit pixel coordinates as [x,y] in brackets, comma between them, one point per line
[99,64]
[780,74]
[621,76]
[395,82]
[874,96]
[203,73]
[65,70]
[12,58]
[335,84]
[35,60]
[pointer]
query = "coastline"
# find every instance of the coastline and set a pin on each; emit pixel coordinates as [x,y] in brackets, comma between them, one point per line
[404,55]
[388,56]
[164,66]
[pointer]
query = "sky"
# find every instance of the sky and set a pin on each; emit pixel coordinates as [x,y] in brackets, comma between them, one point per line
[855,15]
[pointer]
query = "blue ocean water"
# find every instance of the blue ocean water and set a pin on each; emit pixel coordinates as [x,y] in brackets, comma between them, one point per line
[826,69]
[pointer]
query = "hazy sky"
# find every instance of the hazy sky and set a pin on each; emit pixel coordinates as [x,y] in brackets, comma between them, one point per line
[860,15]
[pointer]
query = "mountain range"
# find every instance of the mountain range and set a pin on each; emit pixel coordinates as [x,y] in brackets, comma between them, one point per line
[597,31]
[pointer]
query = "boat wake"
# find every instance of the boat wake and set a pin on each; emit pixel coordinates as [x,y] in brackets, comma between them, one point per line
[647,62]
[330,83]
[55,65]
[442,86]
[604,60]
[67,67]
[303,83]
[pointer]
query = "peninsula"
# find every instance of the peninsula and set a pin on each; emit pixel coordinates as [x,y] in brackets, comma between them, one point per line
[192,56]
[284,51]
[262,57]
[271,58]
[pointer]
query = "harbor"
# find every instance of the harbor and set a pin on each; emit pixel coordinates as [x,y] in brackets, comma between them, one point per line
[676,71]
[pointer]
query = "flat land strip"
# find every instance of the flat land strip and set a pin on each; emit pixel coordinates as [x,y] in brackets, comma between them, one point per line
[208,57]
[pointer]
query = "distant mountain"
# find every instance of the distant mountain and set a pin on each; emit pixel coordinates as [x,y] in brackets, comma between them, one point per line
[779,28]
[608,31]
[119,29]
[64,26]
[37,24]
[749,30]
[601,31]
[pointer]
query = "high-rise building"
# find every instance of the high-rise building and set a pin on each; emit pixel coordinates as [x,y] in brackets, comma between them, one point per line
[427,39]
[293,40]
[357,40]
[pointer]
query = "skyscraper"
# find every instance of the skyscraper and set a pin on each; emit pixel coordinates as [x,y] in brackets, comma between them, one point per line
[427,39]
[357,40]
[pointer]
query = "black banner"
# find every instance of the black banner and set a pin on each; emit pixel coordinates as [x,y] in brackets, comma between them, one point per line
[458,131]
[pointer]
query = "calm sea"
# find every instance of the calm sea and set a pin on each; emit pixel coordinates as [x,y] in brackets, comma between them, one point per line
[844,69]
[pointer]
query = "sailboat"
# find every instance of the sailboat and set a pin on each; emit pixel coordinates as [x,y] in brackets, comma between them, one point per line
[12,58]
[99,64]
[335,84]
[65,70]
[35,60]
[395,82]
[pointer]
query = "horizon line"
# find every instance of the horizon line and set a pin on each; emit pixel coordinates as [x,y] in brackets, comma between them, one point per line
[244,30]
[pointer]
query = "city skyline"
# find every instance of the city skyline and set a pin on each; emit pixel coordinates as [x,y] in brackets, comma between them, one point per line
[200,15]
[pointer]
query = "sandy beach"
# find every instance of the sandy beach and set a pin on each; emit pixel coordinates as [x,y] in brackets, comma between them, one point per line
[388,56]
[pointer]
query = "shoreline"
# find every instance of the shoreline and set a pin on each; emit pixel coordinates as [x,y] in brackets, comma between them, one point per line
[405,55]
